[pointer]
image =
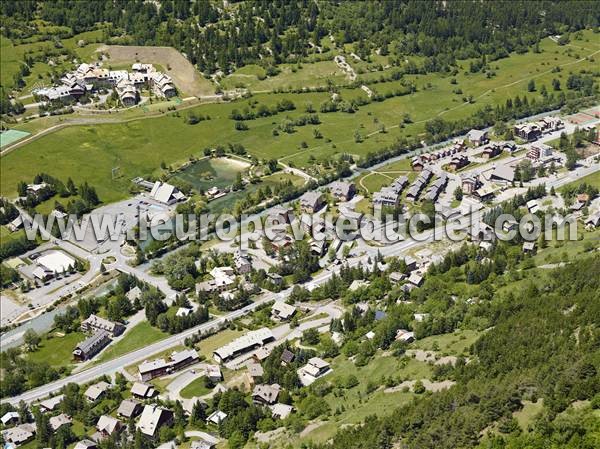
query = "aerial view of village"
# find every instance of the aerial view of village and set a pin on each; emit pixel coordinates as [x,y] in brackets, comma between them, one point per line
[299,224]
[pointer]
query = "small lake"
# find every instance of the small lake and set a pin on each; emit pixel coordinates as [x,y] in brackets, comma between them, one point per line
[207,173]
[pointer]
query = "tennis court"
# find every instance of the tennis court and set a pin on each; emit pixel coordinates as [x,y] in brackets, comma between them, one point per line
[12,135]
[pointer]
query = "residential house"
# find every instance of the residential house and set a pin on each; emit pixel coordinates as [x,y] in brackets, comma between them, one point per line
[281,214]
[212,372]
[396,277]
[20,434]
[242,263]
[216,417]
[275,279]
[528,131]
[281,411]
[134,294]
[458,162]
[107,426]
[94,323]
[96,391]
[86,444]
[417,163]
[265,394]
[405,336]
[10,418]
[342,190]
[528,247]
[314,369]
[593,220]
[143,391]
[252,340]
[477,137]
[287,357]
[255,371]
[386,197]
[261,354]
[50,404]
[153,418]
[469,184]
[56,422]
[311,202]
[91,346]
[282,311]
[491,151]
[129,408]
[533,206]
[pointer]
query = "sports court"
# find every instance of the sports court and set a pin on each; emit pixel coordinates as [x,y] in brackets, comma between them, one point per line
[12,135]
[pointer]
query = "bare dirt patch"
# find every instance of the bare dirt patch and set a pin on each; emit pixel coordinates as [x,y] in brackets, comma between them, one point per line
[187,79]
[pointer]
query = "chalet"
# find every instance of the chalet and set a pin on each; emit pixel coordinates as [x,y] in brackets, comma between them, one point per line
[458,162]
[314,369]
[212,372]
[417,163]
[261,354]
[265,394]
[153,418]
[15,224]
[129,408]
[255,371]
[528,131]
[386,197]
[86,444]
[311,202]
[282,311]
[163,85]
[358,284]
[56,422]
[528,247]
[91,346]
[19,435]
[275,278]
[281,411]
[281,214]
[416,279]
[107,426]
[342,190]
[96,391]
[395,277]
[143,391]
[242,263]
[593,221]
[127,93]
[10,418]
[491,151]
[166,193]
[134,294]
[287,357]
[405,336]
[252,340]
[94,323]
[50,404]
[216,417]
[148,370]
[477,137]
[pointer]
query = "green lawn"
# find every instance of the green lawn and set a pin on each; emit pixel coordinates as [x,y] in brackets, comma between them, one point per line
[57,350]
[195,388]
[140,335]
[456,343]
[593,179]
[208,345]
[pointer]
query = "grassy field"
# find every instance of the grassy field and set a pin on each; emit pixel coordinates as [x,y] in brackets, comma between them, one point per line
[457,343]
[292,76]
[138,147]
[140,335]
[56,350]
[593,179]
[195,388]
[208,345]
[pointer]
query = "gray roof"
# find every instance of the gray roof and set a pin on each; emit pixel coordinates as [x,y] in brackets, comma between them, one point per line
[92,341]
[504,172]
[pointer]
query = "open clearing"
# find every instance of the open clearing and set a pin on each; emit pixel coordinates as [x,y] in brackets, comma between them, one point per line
[140,335]
[186,77]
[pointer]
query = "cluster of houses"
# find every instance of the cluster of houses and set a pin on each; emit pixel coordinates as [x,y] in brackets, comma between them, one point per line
[533,130]
[100,331]
[390,196]
[496,148]
[92,77]
[418,185]
[418,163]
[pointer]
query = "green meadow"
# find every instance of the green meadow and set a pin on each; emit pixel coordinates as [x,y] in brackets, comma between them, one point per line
[89,152]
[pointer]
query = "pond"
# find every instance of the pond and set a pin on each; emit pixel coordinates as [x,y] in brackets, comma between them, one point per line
[207,173]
